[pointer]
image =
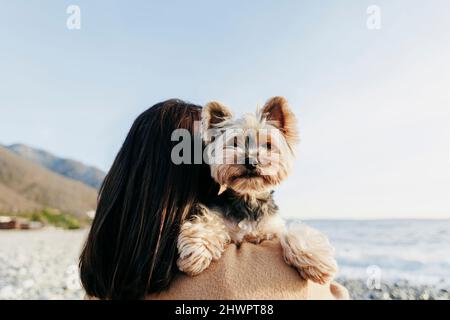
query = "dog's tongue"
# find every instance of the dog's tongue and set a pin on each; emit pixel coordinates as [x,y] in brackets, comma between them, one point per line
[222,189]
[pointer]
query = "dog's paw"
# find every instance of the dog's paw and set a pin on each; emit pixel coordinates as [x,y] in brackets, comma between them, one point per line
[310,252]
[201,241]
[194,257]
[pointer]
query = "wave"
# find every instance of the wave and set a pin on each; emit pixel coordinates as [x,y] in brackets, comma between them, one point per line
[413,250]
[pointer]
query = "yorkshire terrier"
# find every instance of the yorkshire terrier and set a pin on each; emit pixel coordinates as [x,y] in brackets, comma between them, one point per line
[248,157]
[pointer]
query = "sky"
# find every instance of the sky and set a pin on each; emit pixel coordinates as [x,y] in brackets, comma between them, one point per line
[373,105]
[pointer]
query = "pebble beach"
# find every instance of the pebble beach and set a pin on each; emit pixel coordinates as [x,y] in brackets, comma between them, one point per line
[42,264]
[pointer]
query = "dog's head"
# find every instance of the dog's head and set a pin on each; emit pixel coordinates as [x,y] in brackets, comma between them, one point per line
[253,153]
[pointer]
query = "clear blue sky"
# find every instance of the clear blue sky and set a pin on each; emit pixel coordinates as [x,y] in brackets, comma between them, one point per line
[373,105]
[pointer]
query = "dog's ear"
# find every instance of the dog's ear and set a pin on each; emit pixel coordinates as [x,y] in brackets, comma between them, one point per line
[213,114]
[277,112]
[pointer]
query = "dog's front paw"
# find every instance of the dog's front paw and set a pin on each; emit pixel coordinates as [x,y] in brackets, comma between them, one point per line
[194,257]
[310,252]
[201,240]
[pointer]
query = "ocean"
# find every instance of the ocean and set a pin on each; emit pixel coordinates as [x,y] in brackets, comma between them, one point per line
[409,258]
[414,250]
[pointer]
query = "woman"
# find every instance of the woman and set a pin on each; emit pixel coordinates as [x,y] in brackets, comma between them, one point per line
[131,249]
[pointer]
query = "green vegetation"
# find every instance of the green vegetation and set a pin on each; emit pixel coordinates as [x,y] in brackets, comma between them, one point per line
[54,218]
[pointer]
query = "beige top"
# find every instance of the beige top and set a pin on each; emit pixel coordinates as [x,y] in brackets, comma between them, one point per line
[249,272]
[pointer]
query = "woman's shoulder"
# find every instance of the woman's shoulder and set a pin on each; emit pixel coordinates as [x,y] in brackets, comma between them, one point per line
[249,271]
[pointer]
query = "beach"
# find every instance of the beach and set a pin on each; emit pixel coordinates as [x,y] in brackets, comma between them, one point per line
[42,264]
[399,290]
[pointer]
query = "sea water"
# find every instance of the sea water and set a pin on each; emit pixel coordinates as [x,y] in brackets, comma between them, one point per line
[414,250]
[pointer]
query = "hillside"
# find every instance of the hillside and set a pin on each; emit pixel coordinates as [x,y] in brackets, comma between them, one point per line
[66,167]
[11,201]
[25,185]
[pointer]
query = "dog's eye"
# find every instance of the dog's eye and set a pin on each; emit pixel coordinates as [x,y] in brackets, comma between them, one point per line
[267,145]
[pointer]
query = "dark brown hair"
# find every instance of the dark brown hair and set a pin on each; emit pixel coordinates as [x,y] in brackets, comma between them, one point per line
[131,247]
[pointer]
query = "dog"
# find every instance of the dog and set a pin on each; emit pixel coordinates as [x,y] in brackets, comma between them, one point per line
[248,157]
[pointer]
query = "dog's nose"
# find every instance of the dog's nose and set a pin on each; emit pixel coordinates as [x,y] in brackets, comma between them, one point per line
[250,164]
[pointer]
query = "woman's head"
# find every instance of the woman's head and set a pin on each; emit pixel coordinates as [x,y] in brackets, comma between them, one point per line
[131,248]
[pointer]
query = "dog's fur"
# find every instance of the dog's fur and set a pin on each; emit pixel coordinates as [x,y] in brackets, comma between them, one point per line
[248,157]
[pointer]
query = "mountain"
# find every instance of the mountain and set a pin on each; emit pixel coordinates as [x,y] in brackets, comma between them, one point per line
[11,201]
[66,167]
[26,186]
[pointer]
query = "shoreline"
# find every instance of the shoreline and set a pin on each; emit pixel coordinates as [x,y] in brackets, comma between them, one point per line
[43,264]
